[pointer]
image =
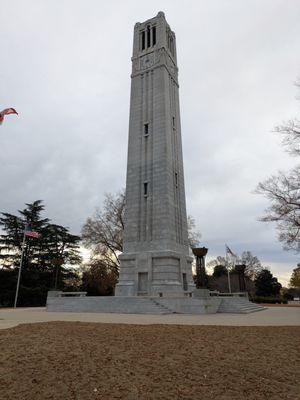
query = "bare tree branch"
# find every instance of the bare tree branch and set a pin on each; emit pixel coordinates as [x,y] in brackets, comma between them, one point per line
[283,191]
[103,233]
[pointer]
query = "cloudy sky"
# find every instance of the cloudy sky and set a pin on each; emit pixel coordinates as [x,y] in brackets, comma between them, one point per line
[65,66]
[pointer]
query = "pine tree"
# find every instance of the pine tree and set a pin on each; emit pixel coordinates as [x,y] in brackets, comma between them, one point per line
[266,284]
[295,278]
[11,240]
[46,259]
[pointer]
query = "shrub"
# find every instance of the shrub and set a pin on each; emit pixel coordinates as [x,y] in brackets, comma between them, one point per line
[269,300]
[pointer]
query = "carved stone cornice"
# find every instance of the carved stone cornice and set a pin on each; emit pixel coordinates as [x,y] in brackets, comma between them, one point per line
[155,59]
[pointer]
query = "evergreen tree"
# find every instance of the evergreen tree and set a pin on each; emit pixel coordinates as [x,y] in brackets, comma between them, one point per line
[219,270]
[11,240]
[59,247]
[266,284]
[46,259]
[295,278]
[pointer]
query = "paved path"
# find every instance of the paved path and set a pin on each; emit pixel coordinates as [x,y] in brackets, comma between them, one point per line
[272,316]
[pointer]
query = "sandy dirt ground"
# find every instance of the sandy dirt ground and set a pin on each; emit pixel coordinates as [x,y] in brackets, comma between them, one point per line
[83,361]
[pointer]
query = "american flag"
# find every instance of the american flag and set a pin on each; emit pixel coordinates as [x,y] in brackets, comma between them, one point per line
[6,111]
[30,233]
[228,251]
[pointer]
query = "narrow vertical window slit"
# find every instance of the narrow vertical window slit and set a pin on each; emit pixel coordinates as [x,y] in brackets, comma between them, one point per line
[143,40]
[145,189]
[153,35]
[146,129]
[148,36]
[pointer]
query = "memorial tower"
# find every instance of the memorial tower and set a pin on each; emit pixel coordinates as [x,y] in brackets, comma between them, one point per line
[156,257]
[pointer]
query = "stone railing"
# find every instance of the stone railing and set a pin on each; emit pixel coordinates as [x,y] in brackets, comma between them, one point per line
[72,294]
[236,294]
[58,293]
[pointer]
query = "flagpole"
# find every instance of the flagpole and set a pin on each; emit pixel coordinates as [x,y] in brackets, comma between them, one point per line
[229,285]
[228,273]
[20,268]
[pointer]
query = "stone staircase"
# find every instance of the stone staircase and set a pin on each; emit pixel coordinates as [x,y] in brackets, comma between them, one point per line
[238,305]
[161,307]
[152,305]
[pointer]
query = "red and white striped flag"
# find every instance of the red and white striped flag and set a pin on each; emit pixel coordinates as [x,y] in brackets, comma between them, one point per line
[31,234]
[7,111]
[230,252]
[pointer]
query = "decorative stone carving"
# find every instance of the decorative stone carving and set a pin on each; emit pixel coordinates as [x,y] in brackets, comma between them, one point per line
[147,61]
[154,59]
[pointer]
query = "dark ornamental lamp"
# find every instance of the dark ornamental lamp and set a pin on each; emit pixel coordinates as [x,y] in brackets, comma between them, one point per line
[200,253]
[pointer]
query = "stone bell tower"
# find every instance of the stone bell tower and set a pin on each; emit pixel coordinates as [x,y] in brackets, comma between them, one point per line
[156,257]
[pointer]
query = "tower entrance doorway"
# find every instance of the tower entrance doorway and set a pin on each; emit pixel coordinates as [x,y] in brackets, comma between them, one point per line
[143,283]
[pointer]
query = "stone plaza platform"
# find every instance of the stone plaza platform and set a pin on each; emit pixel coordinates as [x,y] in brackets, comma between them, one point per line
[134,305]
[201,303]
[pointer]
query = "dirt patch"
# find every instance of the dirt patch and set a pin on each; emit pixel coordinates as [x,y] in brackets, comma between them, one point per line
[83,361]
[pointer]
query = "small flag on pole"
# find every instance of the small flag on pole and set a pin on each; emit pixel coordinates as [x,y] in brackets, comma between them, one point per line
[7,111]
[32,234]
[228,251]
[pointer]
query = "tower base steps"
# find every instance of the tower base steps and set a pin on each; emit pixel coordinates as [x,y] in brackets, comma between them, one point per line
[134,305]
[151,305]
[238,305]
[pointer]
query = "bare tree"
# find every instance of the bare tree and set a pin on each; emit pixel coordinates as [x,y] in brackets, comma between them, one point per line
[252,263]
[103,233]
[291,136]
[194,235]
[219,260]
[283,191]
[290,130]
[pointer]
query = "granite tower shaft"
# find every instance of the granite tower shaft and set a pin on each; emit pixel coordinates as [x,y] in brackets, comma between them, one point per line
[156,257]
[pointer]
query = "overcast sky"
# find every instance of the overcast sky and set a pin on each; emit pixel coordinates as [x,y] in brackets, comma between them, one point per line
[65,66]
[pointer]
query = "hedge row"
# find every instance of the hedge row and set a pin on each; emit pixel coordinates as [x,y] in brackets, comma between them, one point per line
[269,300]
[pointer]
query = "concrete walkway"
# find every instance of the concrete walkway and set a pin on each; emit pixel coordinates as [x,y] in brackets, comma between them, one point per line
[272,316]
